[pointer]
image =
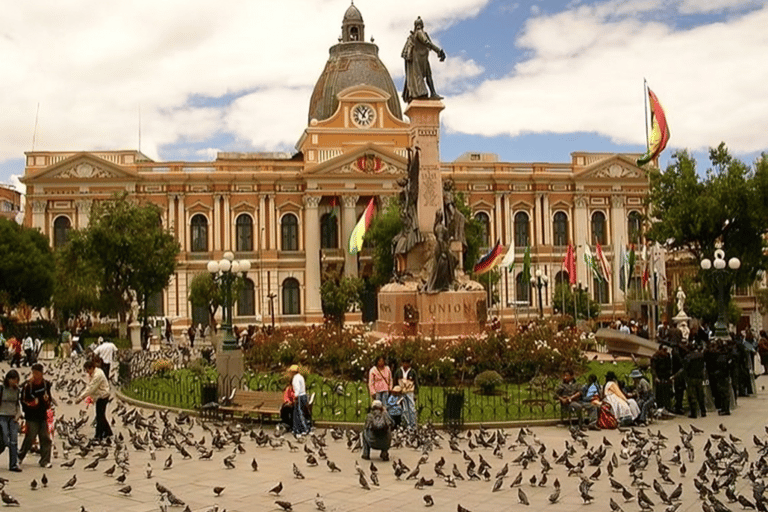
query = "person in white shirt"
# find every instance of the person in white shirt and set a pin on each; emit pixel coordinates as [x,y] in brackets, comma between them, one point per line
[28,346]
[301,419]
[106,351]
[98,390]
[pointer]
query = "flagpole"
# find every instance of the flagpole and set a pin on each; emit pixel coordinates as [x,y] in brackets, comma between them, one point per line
[645,112]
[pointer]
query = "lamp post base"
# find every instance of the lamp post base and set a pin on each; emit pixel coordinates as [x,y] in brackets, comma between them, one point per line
[231,367]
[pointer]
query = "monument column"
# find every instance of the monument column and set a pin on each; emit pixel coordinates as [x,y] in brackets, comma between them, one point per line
[425,135]
[83,212]
[348,224]
[314,307]
[38,215]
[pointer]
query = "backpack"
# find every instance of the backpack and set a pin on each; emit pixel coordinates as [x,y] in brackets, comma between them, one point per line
[379,422]
[605,417]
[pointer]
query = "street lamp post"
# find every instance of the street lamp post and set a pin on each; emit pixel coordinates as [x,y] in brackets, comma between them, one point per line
[721,277]
[225,273]
[272,296]
[540,281]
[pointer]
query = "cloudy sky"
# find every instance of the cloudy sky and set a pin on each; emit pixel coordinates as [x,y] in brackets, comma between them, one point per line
[530,80]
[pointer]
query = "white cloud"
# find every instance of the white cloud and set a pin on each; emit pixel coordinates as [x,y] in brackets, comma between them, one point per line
[92,64]
[584,73]
[18,185]
[707,6]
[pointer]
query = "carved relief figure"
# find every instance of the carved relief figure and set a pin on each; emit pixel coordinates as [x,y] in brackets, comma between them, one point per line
[454,219]
[442,277]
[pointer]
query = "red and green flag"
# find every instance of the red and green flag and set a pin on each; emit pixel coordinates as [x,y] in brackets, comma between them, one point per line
[357,235]
[659,136]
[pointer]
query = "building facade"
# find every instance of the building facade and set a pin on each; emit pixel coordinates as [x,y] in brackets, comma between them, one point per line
[10,202]
[291,214]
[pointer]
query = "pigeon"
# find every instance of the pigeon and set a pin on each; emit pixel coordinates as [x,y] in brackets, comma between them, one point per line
[364,483]
[125,491]
[332,466]
[68,464]
[92,465]
[276,489]
[218,490]
[149,470]
[285,505]
[319,504]
[428,501]
[121,479]
[254,464]
[521,497]
[615,506]
[33,484]
[70,483]
[229,462]
[168,464]
[44,480]
[459,508]
[555,496]
[8,499]
[111,470]
[518,480]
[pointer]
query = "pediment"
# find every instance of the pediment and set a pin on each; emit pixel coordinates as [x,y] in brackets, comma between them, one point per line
[368,160]
[612,168]
[561,205]
[85,167]
[522,205]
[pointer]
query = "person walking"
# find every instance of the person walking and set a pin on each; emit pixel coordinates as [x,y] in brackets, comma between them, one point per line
[10,414]
[28,346]
[301,419]
[694,378]
[36,399]
[98,390]
[380,380]
[106,351]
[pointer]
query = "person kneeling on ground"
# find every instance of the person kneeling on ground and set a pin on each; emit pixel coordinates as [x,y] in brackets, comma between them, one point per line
[377,433]
[643,395]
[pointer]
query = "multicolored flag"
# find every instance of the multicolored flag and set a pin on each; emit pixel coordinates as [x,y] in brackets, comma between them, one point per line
[490,259]
[623,263]
[357,235]
[569,264]
[659,136]
[592,263]
[603,261]
[334,207]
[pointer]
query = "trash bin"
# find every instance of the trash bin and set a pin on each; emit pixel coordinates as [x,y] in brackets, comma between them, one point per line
[454,410]
[209,393]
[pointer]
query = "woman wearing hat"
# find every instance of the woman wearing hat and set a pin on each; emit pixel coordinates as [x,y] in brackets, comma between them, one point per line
[301,405]
[643,395]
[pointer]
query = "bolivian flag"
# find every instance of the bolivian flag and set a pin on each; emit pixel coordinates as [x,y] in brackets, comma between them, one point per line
[490,259]
[357,235]
[659,136]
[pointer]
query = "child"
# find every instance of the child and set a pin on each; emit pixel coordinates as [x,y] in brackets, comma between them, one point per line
[394,405]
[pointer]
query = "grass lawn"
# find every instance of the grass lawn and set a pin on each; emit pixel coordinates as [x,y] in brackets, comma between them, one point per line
[345,401]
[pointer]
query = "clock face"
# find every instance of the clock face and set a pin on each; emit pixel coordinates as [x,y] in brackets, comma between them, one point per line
[363,115]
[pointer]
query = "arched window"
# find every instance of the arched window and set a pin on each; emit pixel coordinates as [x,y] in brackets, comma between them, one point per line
[485,228]
[522,238]
[598,228]
[61,227]
[245,299]
[634,228]
[329,231]
[199,233]
[244,232]
[522,289]
[562,277]
[560,225]
[291,299]
[289,233]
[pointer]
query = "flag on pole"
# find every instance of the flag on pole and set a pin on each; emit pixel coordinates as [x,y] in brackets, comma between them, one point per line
[357,235]
[603,261]
[527,264]
[591,263]
[631,261]
[624,261]
[334,207]
[509,258]
[569,264]
[659,136]
[490,259]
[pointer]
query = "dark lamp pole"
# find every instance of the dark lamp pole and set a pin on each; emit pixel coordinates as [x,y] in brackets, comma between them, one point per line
[225,273]
[540,281]
[722,277]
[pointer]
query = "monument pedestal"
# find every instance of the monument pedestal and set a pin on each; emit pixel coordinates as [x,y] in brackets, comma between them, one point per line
[444,315]
[231,367]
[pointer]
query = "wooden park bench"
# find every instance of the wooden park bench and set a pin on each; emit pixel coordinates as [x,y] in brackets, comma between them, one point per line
[253,403]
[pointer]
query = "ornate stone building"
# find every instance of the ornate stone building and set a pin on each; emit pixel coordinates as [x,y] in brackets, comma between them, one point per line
[291,214]
[10,202]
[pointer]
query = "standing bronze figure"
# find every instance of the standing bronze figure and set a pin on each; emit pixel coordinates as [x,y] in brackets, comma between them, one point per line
[417,70]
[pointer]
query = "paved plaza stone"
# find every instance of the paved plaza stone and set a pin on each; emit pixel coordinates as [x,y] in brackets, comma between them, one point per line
[192,480]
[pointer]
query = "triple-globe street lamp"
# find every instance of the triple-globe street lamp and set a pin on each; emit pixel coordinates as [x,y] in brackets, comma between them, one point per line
[540,281]
[225,272]
[721,277]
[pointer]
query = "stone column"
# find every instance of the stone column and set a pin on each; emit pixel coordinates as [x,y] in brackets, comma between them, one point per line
[181,223]
[311,227]
[425,134]
[228,221]
[580,237]
[38,215]
[349,220]
[215,226]
[262,226]
[547,220]
[537,227]
[618,238]
[83,212]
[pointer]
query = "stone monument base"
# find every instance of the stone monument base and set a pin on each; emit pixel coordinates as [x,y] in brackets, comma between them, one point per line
[231,367]
[406,312]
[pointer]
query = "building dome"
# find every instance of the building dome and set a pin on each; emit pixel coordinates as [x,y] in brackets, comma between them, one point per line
[351,62]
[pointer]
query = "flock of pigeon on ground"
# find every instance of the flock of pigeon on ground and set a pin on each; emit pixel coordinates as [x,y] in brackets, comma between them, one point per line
[644,469]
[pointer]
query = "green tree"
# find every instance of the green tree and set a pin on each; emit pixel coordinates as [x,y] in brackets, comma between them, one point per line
[131,254]
[701,303]
[338,294]
[727,205]
[473,233]
[204,292]
[383,229]
[76,285]
[26,267]
[585,306]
